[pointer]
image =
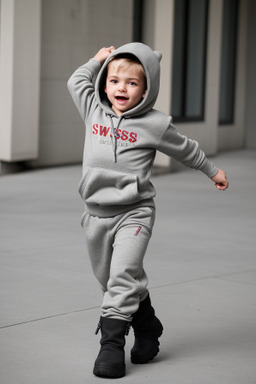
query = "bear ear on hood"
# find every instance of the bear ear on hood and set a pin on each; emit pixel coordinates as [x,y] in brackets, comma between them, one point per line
[158,55]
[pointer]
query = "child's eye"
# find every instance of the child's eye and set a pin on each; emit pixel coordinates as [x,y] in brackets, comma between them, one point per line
[132,83]
[113,81]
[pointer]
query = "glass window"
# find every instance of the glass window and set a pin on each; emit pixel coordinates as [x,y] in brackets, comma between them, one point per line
[189,60]
[228,61]
[138,8]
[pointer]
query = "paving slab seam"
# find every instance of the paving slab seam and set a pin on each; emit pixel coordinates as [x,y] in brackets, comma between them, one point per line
[238,282]
[221,276]
[48,317]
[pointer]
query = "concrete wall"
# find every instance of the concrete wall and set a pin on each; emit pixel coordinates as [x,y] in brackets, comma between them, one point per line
[158,33]
[19,79]
[233,136]
[71,32]
[250,127]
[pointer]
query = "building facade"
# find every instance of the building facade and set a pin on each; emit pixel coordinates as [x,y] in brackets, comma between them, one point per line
[208,81]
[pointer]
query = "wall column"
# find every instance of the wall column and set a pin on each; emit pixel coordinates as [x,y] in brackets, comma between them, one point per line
[158,30]
[20,31]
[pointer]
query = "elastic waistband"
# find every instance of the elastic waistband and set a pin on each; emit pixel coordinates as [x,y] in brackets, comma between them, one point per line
[114,210]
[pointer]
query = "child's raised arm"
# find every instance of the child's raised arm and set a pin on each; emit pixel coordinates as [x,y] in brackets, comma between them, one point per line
[220,180]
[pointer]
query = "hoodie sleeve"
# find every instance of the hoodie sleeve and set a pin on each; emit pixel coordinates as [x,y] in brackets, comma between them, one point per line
[186,151]
[81,87]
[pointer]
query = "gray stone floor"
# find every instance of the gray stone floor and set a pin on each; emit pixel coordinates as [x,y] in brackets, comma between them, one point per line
[201,264]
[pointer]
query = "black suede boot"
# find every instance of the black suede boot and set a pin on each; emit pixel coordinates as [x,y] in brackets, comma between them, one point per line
[147,329]
[111,358]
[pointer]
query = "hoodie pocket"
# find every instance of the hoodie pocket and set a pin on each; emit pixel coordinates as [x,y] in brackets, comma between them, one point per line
[101,186]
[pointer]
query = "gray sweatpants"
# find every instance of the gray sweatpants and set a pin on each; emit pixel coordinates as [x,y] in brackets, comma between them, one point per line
[116,247]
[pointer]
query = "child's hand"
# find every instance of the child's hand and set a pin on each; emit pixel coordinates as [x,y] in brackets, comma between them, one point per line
[103,54]
[220,180]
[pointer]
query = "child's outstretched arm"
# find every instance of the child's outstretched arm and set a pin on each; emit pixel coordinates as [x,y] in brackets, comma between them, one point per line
[220,180]
[103,53]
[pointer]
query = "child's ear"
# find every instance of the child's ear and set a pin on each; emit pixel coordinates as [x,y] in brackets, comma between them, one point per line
[105,88]
[144,94]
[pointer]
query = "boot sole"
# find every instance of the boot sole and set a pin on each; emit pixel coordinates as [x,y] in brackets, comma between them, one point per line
[107,371]
[143,359]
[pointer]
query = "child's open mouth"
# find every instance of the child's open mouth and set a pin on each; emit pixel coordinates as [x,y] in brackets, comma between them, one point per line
[121,98]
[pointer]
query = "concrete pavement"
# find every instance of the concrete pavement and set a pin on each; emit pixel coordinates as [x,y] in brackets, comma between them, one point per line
[201,264]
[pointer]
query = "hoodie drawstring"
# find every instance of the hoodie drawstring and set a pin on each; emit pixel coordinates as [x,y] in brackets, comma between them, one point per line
[114,137]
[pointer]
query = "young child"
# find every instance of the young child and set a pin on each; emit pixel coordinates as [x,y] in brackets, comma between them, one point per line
[115,93]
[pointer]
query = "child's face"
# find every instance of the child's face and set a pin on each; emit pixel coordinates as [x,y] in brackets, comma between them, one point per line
[125,87]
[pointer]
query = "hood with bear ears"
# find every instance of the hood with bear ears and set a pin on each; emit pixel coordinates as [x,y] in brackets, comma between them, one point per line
[150,61]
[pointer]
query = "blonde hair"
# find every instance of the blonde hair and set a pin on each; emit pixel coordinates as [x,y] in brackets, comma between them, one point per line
[125,61]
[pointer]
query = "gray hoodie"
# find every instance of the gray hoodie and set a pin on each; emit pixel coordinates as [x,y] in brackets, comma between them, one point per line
[119,151]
